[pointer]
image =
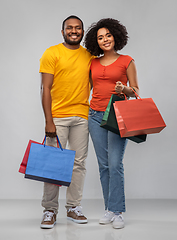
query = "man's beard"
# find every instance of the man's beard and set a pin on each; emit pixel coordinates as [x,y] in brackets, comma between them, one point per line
[68,41]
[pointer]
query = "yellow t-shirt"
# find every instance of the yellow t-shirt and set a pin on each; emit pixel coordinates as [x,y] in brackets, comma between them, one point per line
[70,90]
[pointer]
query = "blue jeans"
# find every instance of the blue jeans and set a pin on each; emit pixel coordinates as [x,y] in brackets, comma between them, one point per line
[109,148]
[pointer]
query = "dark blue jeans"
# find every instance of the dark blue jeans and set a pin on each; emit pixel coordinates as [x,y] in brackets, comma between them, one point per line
[109,148]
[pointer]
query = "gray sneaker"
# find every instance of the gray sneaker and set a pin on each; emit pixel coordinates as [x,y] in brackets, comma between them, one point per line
[107,218]
[118,221]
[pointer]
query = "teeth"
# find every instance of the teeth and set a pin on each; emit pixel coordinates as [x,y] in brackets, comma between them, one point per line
[73,36]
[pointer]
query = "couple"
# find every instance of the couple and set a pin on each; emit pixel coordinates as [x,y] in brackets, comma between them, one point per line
[68,70]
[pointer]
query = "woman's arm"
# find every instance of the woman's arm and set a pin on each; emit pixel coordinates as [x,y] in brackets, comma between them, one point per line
[133,82]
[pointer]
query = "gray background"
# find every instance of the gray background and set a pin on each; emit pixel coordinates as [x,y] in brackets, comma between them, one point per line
[27,29]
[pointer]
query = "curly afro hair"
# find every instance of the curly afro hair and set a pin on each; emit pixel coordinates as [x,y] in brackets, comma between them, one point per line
[118,31]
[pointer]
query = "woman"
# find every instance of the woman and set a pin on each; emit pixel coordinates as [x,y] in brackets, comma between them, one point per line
[109,75]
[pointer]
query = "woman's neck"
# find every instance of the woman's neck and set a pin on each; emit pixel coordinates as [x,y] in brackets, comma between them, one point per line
[109,57]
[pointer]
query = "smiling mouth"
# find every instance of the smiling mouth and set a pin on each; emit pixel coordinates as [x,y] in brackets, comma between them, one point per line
[74,36]
[107,44]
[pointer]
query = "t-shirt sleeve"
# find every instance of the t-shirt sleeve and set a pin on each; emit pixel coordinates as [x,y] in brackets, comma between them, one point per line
[47,62]
[128,60]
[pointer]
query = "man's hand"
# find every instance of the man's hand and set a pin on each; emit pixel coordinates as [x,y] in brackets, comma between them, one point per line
[50,130]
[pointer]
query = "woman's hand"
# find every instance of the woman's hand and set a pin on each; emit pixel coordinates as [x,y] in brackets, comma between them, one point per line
[122,89]
[119,87]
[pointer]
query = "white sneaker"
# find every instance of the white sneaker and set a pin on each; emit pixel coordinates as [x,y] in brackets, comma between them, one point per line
[118,221]
[107,218]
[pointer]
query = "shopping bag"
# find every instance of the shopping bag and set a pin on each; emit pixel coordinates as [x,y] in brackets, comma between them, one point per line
[50,164]
[23,164]
[109,121]
[138,116]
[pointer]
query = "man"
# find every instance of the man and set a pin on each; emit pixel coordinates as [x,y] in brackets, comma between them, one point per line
[65,93]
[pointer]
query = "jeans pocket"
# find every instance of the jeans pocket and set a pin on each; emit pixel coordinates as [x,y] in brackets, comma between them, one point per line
[91,112]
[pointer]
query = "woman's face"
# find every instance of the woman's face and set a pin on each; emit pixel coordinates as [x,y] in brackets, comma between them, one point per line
[105,39]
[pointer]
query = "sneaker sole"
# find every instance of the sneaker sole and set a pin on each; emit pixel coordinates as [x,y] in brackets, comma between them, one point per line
[47,226]
[103,223]
[77,221]
[119,227]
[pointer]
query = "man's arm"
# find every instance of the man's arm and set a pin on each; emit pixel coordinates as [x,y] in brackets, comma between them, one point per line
[90,80]
[46,85]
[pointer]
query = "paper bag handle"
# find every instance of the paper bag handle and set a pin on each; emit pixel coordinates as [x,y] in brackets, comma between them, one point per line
[136,95]
[58,142]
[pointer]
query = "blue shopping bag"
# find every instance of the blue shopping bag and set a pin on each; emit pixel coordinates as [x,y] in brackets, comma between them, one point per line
[50,164]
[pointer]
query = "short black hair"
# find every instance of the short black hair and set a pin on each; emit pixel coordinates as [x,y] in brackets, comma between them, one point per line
[118,31]
[72,17]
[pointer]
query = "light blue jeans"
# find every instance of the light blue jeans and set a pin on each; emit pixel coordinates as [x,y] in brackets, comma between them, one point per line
[109,149]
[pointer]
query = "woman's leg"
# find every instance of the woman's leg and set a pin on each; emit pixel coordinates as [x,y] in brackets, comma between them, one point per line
[116,149]
[99,137]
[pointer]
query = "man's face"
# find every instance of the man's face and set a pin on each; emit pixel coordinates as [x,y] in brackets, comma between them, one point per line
[73,32]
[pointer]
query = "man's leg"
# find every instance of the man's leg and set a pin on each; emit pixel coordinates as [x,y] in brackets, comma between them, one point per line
[78,141]
[51,191]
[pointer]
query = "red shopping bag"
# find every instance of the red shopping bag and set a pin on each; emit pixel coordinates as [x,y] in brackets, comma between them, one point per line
[23,164]
[138,116]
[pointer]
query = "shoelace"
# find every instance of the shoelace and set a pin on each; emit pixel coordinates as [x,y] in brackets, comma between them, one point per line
[107,214]
[77,210]
[118,217]
[48,216]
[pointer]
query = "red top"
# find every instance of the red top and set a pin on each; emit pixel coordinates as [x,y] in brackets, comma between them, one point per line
[105,78]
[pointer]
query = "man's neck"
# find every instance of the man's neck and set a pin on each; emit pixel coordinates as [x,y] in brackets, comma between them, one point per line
[72,47]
